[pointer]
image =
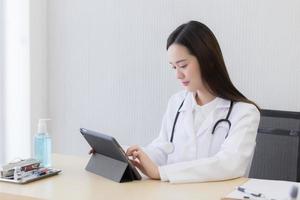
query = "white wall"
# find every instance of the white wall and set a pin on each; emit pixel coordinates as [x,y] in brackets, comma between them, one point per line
[2,153]
[108,69]
[38,63]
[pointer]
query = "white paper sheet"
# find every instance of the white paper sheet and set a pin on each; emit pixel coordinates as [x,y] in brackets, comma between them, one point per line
[277,190]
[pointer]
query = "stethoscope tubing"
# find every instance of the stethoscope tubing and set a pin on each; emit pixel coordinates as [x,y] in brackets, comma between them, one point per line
[226,120]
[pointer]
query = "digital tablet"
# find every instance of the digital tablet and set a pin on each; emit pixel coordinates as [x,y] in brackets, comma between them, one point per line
[108,146]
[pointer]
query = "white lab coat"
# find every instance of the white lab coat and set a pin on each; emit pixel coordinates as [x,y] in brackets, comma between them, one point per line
[201,156]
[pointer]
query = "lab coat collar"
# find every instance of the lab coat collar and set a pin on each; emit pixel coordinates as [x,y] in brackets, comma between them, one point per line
[187,108]
[188,102]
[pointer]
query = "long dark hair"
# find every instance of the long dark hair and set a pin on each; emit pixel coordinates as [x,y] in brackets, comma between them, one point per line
[201,42]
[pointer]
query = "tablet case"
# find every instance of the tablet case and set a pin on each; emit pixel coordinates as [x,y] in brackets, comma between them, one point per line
[110,168]
[109,159]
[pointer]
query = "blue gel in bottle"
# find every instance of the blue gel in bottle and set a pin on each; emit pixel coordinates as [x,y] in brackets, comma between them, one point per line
[42,144]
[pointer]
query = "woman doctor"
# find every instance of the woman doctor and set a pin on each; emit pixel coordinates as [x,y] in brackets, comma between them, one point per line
[208,131]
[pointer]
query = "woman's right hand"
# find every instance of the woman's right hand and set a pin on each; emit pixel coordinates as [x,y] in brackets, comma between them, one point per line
[142,161]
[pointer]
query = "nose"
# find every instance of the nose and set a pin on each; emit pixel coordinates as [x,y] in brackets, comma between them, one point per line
[179,74]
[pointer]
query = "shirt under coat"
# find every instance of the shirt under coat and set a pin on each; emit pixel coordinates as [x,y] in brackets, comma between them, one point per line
[201,156]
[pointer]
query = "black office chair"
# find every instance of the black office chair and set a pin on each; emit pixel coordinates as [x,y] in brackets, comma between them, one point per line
[277,153]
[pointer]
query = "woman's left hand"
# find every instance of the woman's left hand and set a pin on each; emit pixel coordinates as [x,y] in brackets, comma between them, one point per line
[142,161]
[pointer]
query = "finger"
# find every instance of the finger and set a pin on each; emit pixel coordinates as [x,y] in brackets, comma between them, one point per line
[135,154]
[135,162]
[131,149]
[138,165]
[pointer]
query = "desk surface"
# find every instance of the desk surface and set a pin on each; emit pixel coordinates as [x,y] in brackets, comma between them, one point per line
[76,183]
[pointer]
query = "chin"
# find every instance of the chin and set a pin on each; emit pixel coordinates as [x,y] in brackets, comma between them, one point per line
[189,89]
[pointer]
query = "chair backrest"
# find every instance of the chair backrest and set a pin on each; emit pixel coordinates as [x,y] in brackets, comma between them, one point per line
[277,152]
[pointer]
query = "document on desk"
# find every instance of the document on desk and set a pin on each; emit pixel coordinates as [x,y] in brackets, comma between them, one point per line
[264,189]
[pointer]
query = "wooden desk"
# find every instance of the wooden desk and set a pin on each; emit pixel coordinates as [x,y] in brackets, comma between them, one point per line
[4,196]
[76,183]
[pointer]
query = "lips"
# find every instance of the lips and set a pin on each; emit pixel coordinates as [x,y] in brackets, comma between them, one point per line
[185,83]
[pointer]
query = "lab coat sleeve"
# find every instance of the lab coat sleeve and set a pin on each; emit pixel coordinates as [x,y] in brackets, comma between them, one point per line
[156,150]
[232,159]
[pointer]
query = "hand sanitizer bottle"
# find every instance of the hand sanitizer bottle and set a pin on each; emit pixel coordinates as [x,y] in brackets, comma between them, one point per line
[42,144]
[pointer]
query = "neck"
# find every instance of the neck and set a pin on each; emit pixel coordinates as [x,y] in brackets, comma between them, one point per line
[203,97]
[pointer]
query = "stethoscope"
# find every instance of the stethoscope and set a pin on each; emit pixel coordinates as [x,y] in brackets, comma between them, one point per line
[169,148]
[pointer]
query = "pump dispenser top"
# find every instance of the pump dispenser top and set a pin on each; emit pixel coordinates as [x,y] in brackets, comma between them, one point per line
[42,125]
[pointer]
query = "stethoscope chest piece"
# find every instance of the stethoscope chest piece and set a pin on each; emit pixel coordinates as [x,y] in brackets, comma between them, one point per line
[168,148]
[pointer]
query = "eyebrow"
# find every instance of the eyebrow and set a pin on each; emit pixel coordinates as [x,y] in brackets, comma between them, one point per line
[178,61]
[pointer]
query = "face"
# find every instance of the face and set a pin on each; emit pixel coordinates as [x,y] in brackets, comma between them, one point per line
[186,67]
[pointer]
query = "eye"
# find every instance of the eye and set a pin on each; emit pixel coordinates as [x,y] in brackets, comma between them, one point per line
[183,66]
[173,67]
